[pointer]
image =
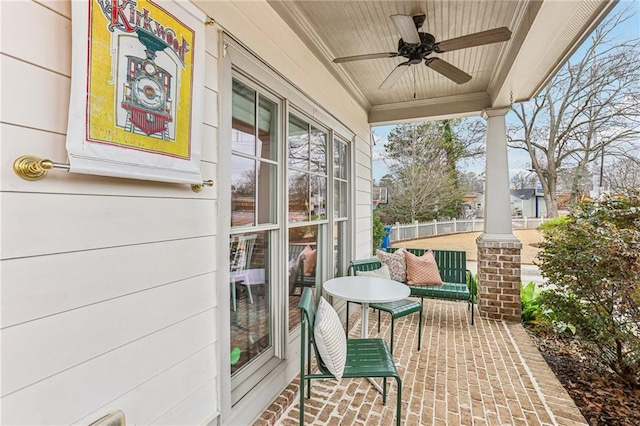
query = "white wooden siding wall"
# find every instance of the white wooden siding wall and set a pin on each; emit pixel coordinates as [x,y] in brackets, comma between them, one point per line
[108,292]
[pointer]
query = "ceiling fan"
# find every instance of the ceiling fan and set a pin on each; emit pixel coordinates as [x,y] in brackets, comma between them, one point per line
[416,46]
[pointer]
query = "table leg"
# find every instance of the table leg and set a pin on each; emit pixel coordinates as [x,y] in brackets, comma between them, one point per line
[364,334]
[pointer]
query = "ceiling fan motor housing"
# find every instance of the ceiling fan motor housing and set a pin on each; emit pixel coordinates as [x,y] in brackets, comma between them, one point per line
[416,52]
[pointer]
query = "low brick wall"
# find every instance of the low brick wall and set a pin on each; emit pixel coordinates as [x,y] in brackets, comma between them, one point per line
[499,278]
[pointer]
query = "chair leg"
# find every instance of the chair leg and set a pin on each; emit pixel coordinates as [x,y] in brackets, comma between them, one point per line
[472,313]
[250,295]
[384,391]
[420,329]
[399,401]
[346,327]
[233,296]
[379,311]
[392,327]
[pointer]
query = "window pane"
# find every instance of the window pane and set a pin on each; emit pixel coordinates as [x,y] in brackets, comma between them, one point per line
[340,159]
[298,143]
[243,172]
[340,198]
[304,266]
[344,191]
[318,199]
[249,271]
[267,190]
[298,196]
[267,129]
[243,134]
[339,248]
[318,151]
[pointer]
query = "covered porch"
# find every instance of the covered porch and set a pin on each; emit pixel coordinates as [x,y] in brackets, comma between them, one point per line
[484,374]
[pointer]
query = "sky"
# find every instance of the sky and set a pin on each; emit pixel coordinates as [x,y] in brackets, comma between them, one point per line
[518,159]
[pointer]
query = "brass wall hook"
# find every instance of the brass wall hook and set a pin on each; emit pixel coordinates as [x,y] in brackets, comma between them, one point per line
[198,187]
[30,167]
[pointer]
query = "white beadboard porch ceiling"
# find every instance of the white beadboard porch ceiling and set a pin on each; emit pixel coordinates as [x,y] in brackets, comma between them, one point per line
[544,34]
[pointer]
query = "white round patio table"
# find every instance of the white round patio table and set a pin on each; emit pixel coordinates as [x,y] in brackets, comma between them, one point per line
[366,290]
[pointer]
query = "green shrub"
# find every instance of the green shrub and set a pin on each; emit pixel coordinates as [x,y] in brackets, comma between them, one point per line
[531,303]
[377,231]
[472,284]
[593,259]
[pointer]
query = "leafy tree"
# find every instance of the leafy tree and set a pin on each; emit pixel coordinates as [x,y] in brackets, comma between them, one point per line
[593,259]
[422,161]
[590,106]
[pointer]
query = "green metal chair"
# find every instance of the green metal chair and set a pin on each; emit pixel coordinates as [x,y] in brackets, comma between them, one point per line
[397,309]
[365,358]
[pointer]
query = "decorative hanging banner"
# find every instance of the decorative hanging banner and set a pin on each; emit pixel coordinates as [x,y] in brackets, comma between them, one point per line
[137,89]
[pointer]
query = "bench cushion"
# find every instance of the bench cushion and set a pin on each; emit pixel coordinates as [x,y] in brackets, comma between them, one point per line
[330,339]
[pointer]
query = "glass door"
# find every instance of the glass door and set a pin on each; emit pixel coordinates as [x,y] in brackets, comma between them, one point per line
[254,234]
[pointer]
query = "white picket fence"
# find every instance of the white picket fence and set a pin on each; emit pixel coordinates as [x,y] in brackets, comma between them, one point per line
[412,231]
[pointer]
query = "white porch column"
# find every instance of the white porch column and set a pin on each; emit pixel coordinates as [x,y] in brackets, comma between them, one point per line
[498,249]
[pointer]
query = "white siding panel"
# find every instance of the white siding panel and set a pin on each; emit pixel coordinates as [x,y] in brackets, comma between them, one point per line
[42,348]
[18,141]
[363,197]
[190,376]
[30,38]
[193,409]
[47,91]
[62,7]
[210,115]
[74,393]
[62,223]
[211,73]
[210,148]
[58,283]
[363,184]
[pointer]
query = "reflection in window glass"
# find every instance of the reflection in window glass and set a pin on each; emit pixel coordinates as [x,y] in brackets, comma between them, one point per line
[249,272]
[318,197]
[340,178]
[243,179]
[243,133]
[267,129]
[318,151]
[267,190]
[298,143]
[298,196]
[339,248]
[303,266]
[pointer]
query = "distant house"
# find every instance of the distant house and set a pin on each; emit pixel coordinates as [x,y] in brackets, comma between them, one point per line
[528,202]
[472,207]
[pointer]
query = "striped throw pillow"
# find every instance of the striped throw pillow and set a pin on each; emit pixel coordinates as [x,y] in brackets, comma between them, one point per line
[330,338]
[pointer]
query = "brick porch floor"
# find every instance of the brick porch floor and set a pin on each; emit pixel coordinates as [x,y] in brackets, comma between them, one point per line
[487,374]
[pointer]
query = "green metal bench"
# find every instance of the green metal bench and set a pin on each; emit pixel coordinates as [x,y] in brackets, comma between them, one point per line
[365,358]
[452,265]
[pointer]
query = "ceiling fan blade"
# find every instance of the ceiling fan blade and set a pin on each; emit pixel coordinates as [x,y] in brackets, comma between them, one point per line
[361,57]
[446,69]
[394,76]
[495,35]
[406,27]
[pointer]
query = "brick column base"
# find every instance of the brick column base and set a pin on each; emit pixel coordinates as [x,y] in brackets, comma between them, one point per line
[499,279]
